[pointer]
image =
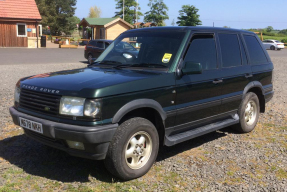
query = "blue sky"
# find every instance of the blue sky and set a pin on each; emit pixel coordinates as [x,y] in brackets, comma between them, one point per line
[241,14]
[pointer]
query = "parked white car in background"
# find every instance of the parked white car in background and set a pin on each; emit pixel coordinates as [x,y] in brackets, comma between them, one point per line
[273,44]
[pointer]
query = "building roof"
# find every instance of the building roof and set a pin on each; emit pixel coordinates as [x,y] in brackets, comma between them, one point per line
[15,9]
[99,21]
[103,21]
[149,24]
[138,23]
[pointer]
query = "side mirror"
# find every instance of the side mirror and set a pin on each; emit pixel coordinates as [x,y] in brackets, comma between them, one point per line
[191,68]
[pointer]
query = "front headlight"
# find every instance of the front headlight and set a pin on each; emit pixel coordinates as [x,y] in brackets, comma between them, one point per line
[72,106]
[92,108]
[76,106]
[17,94]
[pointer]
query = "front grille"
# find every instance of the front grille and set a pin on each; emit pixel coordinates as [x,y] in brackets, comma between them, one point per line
[40,102]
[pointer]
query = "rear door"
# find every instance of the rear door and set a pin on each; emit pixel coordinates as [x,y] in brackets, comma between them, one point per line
[236,72]
[198,95]
[98,49]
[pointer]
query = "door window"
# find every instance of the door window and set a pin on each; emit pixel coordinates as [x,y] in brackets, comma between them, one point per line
[202,49]
[257,56]
[230,50]
[106,45]
[100,44]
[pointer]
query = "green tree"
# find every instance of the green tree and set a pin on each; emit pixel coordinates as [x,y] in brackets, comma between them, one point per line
[188,16]
[58,15]
[130,10]
[269,29]
[284,32]
[157,13]
[95,12]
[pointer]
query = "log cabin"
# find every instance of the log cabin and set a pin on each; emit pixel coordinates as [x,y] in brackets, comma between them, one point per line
[19,23]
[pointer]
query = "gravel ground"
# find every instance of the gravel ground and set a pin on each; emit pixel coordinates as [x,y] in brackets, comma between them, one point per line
[219,161]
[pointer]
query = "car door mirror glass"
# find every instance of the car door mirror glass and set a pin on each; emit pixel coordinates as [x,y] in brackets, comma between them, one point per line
[191,68]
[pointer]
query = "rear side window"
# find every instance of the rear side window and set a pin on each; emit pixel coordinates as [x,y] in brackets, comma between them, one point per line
[230,50]
[202,50]
[100,44]
[256,53]
[92,43]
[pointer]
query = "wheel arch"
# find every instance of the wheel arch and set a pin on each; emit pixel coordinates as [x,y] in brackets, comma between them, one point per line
[257,88]
[145,108]
[137,104]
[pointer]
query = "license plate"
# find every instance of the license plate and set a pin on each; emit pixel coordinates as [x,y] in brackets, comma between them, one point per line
[31,125]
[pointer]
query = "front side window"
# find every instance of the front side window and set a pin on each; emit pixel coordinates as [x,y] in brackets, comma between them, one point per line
[230,50]
[21,30]
[256,53]
[154,49]
[202,50]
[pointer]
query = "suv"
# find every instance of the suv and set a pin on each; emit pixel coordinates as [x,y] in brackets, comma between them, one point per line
[95,48]
[182,82]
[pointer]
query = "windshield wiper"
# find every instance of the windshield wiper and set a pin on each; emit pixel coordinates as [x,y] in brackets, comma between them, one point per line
[150,65]
[109,62]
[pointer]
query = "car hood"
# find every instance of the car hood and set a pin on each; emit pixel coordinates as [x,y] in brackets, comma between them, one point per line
[96,82]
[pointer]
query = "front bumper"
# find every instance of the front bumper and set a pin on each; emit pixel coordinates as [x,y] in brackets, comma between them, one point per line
[96,139]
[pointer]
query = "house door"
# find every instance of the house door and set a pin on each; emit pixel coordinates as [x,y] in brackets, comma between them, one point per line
[102,33]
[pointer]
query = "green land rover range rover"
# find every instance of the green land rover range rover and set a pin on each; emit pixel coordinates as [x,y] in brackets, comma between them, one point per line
[176,84]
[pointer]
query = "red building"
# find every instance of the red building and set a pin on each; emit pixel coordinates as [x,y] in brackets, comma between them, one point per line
[19,23]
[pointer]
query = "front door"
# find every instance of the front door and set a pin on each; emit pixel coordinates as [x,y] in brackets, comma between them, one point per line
[102,33]
[198,95]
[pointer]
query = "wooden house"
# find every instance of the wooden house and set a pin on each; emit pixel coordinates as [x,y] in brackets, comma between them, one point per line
[105,28]
[19,23]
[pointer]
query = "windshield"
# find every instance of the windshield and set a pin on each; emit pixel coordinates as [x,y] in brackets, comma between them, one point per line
[145,49]
[277,41]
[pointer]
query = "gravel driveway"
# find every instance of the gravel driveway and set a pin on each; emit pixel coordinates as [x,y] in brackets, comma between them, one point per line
[220,161]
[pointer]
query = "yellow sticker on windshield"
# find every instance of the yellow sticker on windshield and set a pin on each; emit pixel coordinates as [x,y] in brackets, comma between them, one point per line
[166,57]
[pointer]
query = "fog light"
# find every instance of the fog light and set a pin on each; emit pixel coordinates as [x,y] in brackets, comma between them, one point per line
[76,145]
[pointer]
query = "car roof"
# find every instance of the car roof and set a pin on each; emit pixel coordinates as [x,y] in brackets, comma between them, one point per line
[104,40]
[189,28]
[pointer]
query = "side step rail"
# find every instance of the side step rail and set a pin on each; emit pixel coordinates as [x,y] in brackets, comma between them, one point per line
[196,132]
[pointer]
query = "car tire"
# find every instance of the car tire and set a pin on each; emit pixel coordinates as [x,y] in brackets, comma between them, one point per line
[90,58]
[133,149]
[279,49]
[249,111]
[272,47]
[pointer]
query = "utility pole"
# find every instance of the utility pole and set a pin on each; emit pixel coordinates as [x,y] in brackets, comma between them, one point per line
[123,9]
[213,24]
[137,12]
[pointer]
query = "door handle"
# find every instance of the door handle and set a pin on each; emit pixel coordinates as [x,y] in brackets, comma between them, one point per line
[216,81]
[248,75]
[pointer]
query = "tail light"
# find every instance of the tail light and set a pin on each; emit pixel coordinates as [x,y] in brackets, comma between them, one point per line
[85,47]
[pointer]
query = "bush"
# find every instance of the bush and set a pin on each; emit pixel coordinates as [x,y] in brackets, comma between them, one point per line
[284,40]
[268,33]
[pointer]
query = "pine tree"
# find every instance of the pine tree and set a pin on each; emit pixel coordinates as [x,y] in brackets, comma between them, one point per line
[58,15]
[188,16]
[157,13]
[130,10]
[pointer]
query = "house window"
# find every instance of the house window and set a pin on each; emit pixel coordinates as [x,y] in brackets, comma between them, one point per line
[21,30]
